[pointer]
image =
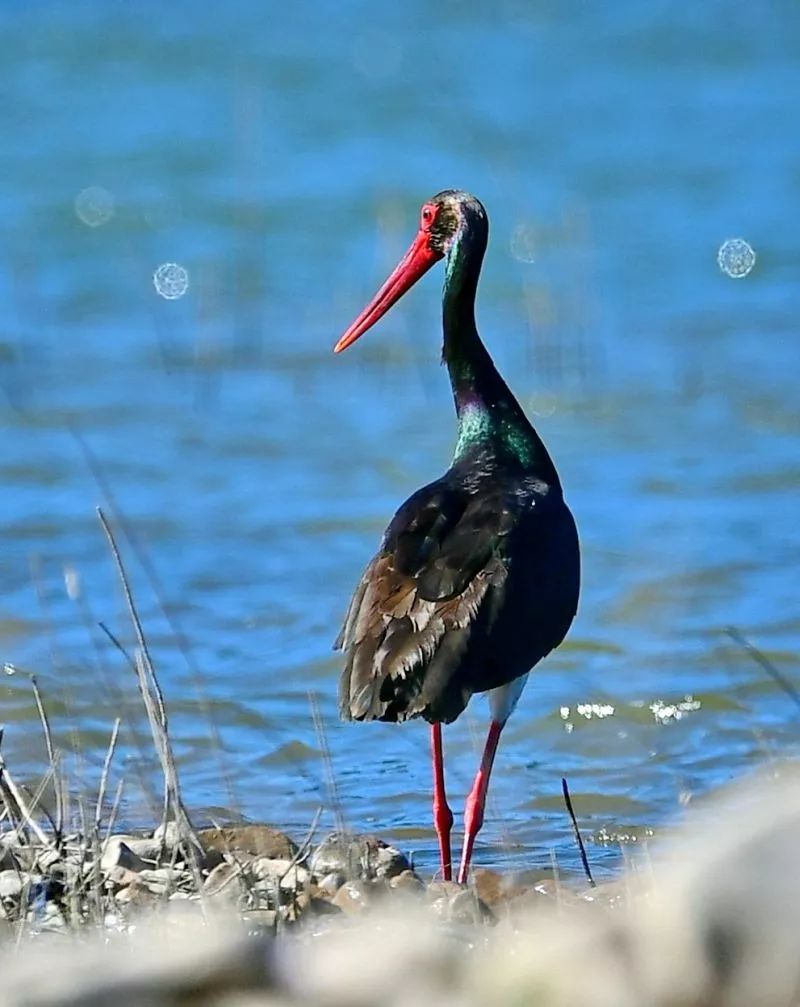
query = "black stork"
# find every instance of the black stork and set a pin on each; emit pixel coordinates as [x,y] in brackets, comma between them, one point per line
[477,576]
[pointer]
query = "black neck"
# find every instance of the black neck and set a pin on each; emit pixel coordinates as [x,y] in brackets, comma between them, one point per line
[489,414]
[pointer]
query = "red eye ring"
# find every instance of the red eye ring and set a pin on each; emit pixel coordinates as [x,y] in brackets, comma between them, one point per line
[428,215]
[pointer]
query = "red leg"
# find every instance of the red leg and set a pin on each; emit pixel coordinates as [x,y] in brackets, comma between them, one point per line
[442,815]
[473,814]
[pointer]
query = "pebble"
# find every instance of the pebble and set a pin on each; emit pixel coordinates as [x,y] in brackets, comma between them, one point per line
[291,877]
[493,887]
[358,856]
[252,840]
[220,882]
[138,894]
[146,847]
[11,884]
[162,880]
[118,852]
[331,883]
[407,881]
[167,833]
[454,904]
[353,897]
[161,844]
[120,877]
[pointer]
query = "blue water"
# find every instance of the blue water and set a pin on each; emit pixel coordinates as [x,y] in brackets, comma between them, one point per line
[280,154]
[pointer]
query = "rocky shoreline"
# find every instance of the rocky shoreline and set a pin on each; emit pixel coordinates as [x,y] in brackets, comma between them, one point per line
[257,872]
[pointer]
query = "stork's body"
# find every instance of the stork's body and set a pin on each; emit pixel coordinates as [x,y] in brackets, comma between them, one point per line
[477,576]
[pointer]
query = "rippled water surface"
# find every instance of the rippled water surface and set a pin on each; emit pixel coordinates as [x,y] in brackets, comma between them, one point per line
[279,155]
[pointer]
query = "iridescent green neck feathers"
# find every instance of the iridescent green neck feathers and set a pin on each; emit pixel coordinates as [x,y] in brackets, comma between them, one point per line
[489,417]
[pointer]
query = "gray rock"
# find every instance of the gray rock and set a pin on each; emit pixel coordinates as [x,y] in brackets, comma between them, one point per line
[291,877]
[494,887]
[136,895]
[223,882]
[120,877]
[146,847]
[149,848]
[250,840]
[330,884]
[11,884]
[118,852]
[357,856]
[442,889]
[353,897]
[454,904]
[168,834]
[163,880]
[407,881]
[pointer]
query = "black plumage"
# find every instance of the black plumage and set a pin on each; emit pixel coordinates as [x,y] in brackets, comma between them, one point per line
[477,576]
[468,591]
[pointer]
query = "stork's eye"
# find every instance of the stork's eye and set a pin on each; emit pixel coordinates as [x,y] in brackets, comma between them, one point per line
[427,216]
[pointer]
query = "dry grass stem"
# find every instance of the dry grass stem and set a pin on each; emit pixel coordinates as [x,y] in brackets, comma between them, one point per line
[155,707]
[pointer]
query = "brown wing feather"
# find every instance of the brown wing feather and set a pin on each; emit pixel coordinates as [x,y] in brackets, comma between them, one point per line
[439,570]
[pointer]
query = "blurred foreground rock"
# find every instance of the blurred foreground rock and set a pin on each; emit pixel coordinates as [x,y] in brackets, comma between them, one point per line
[714,923]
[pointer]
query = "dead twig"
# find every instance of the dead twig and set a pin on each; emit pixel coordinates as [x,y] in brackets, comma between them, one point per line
[330,779]
[765,664]
[58,825]
[578,838]
[155,708]
[117,644]
[112,818]
[101,793]
[305,846]
[12,791]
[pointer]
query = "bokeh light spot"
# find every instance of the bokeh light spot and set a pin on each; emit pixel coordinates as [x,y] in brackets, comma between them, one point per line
[171,280]
[736,257]
[94,206]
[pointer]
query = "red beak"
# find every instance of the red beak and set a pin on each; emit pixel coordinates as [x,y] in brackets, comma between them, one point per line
[414,264]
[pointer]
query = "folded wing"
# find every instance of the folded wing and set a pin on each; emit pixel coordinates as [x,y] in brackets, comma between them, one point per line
[438,575]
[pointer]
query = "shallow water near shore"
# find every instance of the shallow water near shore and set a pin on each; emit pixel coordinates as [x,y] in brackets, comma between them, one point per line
[615,150]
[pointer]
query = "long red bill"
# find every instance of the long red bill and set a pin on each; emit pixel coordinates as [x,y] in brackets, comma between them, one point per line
[414,264]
